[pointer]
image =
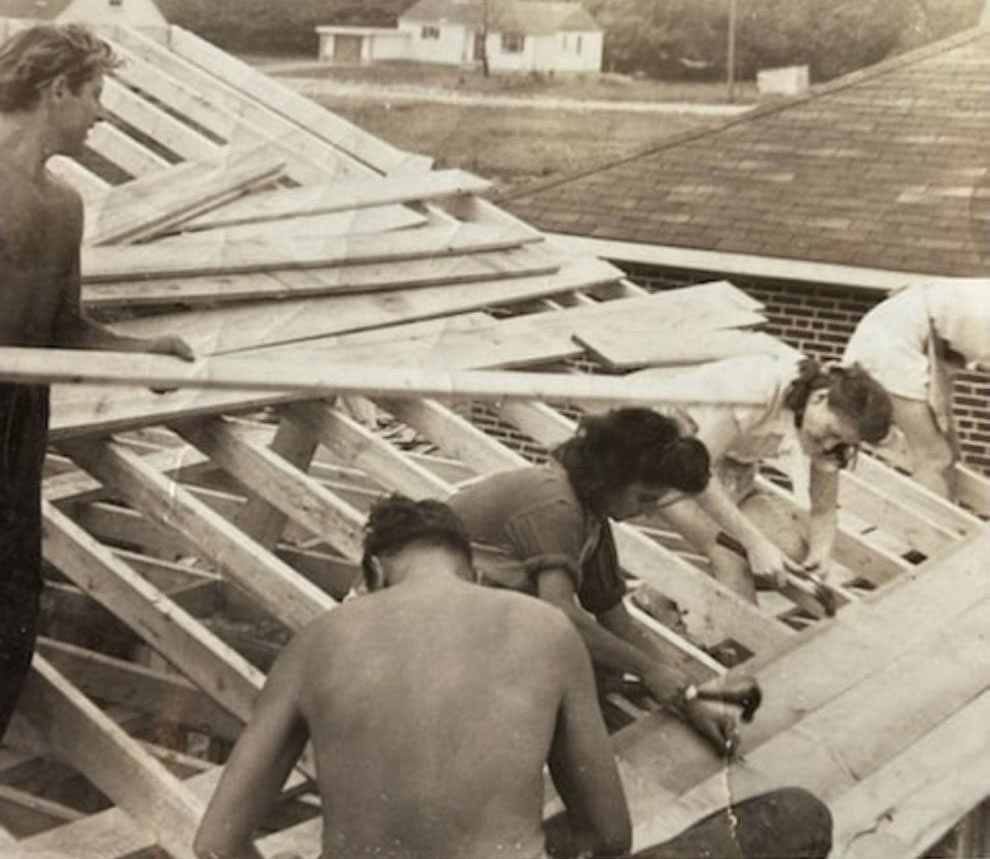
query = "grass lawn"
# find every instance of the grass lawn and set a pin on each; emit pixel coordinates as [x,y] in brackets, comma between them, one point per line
[610,87]
[518,148]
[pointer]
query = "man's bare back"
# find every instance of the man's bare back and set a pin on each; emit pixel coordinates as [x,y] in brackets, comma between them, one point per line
[429,716]
[432,705]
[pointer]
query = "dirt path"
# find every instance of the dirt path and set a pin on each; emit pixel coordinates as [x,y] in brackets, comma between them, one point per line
[322,88]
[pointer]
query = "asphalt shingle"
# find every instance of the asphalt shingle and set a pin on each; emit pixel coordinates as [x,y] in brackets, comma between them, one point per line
[875,169]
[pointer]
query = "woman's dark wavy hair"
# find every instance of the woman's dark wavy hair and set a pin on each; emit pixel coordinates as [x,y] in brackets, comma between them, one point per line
[852,392]
[628,445]
[33,58]
[396,521]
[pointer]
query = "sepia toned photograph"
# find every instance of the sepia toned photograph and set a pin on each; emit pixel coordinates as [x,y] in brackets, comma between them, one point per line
[494,429]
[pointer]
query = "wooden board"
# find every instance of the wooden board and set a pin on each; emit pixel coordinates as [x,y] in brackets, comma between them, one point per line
[372,277]
[139,209]
[343,135]
[691,342]
[46,366]
[215,255]
[323,198]
[111,759]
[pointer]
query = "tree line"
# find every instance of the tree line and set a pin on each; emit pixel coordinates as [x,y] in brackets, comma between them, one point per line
[667,39]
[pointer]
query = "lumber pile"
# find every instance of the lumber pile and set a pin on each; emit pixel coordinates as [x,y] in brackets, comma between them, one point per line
[189,533]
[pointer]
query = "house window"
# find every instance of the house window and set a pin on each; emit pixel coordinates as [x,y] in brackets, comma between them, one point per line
[429,32]
[563,41]
[578,48]
[512,43]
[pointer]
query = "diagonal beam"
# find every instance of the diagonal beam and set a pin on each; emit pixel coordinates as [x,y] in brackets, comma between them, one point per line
[78,731]
[289,596]
[294,492]
[217,669]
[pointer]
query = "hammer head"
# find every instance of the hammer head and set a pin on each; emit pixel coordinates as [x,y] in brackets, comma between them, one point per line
[750,702]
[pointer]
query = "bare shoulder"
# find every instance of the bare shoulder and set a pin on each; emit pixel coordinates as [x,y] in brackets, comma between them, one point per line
[64,200]
[541,622]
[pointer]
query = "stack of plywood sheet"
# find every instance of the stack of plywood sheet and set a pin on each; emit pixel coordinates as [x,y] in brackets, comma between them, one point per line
[189,533]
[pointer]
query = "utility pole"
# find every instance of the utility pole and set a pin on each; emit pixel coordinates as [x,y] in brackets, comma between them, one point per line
[730,58]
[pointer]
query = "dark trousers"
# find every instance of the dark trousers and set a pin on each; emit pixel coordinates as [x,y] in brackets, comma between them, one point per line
[23,438]
[782,824]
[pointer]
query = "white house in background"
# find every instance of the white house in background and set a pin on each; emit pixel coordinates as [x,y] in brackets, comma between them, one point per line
[522,35]
[134,13]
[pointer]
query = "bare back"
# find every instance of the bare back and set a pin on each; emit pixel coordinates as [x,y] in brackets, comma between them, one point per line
[40,232]
[432,715]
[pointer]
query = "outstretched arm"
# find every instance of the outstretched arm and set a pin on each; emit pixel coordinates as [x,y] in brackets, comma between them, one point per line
[823,518]
[258,766]
[74,329]
[765,558]
[616,641]
[581,761]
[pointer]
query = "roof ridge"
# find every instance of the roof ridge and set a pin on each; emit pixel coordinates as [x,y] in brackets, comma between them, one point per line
[885,66]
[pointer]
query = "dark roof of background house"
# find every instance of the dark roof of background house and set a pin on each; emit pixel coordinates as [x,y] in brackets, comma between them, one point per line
[44,10]
[874,169]
[531,17]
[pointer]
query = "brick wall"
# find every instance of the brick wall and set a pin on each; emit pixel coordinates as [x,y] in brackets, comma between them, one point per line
[818,319]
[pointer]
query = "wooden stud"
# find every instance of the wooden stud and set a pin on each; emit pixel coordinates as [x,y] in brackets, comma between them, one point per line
[292,491]
[219,671]
[316,199]
[80,732]
[289,596]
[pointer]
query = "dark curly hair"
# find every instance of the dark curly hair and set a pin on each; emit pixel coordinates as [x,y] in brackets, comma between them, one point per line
[852,392]
[33,58]
[628,445]
[397,520]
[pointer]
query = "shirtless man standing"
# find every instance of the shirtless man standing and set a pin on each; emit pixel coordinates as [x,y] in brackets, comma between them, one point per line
[432,705]
[50,83]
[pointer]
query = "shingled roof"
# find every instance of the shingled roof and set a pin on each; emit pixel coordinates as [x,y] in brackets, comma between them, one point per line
[875,169]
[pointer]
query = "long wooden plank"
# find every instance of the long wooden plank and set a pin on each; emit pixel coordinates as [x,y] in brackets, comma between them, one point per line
[316,199]
[287,595]
[205,255]
[218,670]
[117,681]
[919,794]
[124,151]
[116,763]
[156,123]
[293,491]
[349,224]
[372,277]
[823,664]
[223,111]
[937,510]
[974,490]
[693,342]
[832,748]
[888,513]
[44,366]
[131,214]
[343,135]
[360,447]
[260,519]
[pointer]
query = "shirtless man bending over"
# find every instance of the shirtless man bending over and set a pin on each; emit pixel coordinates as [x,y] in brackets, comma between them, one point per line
[432,705]
[50,83]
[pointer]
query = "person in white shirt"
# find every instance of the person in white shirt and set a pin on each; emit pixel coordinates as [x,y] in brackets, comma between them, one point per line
[808,424]
[914,342]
